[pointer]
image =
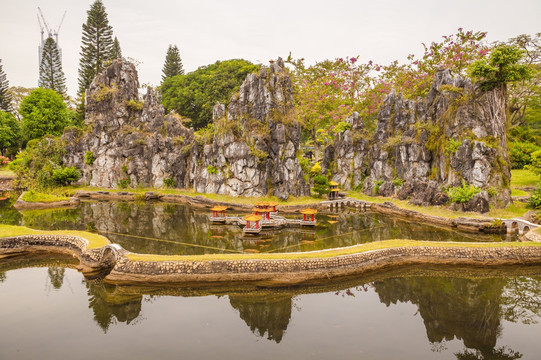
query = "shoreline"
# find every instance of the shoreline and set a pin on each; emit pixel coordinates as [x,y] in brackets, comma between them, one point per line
[118,266]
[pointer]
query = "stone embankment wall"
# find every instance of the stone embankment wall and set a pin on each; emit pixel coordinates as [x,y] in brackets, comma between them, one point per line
[121,270]
[282,272]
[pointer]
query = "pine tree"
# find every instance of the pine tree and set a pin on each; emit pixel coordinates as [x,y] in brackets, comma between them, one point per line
[51,75]
[173,63]
[116,53]
[97,46]
[5,95]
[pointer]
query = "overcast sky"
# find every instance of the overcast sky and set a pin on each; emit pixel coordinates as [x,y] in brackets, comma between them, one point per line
[209,30]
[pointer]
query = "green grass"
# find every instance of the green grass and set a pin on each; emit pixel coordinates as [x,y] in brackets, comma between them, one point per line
[523,178]
[95,241]
[518,192]
[4,171]
[357,249]
[34,196]
[71,190]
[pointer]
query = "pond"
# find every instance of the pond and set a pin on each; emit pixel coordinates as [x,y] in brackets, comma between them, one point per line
[169,229]
[53,312]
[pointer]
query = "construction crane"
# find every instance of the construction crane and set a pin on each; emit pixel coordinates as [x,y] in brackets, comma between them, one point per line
[50,32]
[44,27]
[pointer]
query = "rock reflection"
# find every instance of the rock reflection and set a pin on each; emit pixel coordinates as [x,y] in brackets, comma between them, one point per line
[264,313]
[159,228]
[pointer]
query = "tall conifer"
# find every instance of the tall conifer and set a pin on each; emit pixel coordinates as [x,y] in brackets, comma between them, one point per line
[116,53]
[97,45]
[173,63]
[51,75]
[5,95]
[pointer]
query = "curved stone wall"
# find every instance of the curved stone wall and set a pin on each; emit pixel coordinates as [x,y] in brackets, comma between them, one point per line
[114,260]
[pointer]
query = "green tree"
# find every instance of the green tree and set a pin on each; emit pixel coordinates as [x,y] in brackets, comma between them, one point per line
[194,95]
[5,95]
[173,63]
[321,185]
[10,134]
[97,45]
[51,75]
[500,68]
[116,51]
[44,113]
[525,95]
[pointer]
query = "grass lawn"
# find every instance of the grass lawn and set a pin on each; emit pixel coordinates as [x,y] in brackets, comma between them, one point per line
[523,178]
[4,171]
[376,245]
[95,241]
[71,190]
[34,196]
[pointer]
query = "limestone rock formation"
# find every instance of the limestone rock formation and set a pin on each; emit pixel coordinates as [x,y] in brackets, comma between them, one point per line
[257,139]
[456,134]
[130,142]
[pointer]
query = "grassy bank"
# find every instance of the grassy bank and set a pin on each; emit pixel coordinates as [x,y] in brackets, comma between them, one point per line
[357,249]
[34,196]
[521,178]
[95,241]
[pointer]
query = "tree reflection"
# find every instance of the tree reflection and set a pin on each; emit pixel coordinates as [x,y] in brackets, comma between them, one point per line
[521,300]
[56,275]
[502,353]
[264,314]
[451,308]
[109,307]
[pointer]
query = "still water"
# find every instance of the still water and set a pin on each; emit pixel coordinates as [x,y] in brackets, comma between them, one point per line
[158,228]
[53,312]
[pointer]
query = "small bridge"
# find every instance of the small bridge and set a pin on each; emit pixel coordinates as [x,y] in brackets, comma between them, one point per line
[346,202]
[521,225]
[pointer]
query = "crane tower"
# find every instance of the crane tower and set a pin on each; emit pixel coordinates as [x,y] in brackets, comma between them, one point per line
[45,28]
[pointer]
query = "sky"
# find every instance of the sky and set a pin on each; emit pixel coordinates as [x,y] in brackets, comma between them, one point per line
[206,31]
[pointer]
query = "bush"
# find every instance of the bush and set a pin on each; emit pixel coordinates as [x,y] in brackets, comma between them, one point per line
[89,158]
[169,183]
[462,194]
[535,199]
[520,153]
[535,163]
[305,164]
[377,185]
[321,185]
[315,170]
[65,176]
[124,183]
[211,169]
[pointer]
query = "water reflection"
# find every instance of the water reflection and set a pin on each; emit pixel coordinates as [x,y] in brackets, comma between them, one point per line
[159,228]
[465,305]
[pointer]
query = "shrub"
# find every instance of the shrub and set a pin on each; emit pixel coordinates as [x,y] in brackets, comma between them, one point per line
[321,185]
[398,182]
[170,183]
[315,170]
[65,176]
[89,158]
[211,169]
[134,105]
[305,164]
[462,194]
[452,146]
[124,183]
[535,199]
[377,185]
[520,153]
[4,160]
